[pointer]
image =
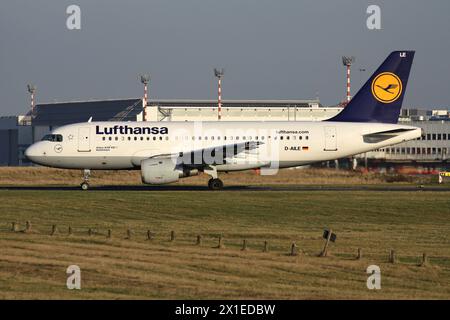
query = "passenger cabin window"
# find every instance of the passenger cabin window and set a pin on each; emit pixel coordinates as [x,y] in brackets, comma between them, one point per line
[53,138]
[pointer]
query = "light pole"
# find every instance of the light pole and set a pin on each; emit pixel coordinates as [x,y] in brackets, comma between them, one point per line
[347,62]
[219,75]
[145,79]
[32,90]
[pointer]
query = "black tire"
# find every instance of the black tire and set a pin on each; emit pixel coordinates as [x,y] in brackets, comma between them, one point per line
[215,184]
[84,186]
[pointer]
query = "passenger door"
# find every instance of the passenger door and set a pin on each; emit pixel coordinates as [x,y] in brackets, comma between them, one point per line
[84,137]
[330,139]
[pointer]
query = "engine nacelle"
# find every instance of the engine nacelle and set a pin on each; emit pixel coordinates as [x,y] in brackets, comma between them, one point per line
[162,171]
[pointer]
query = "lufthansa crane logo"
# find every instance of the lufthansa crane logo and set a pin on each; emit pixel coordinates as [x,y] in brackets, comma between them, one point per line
[386,87]
[58,148]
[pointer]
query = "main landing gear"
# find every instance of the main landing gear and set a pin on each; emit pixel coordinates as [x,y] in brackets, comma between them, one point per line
[214,183]
[85,184]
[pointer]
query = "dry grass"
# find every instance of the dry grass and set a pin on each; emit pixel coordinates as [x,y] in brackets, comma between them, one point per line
[305,176]
[33,265]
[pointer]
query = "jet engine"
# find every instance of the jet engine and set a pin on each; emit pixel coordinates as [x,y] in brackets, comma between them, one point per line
[161,171]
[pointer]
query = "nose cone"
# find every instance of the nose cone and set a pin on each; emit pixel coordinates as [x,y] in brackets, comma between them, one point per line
[33,153]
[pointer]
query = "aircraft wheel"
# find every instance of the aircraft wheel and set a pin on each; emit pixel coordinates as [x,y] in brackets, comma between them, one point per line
[84,186]
[215,184]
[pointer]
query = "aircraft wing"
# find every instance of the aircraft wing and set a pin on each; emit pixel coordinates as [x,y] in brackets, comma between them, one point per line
[201,158]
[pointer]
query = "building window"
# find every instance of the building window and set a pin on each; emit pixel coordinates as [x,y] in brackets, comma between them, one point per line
[434,150]
[135,138]
[418,150]
[439,136]
[433,136]
[103,138]
[428,136]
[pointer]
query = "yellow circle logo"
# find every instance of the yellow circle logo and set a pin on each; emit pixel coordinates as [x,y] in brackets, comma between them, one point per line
[386,87]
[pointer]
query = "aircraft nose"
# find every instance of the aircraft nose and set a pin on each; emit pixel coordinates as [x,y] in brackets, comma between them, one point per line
[29,152]
[32,153]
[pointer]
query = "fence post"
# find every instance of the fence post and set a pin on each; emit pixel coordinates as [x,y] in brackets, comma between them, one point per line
[221,245]
[13,226]
[129,233]
[109,235]
[54,230]
[392,258]
[359,255]
[424,260]
[199,240]
[172,235]
[244,245]
[294,250]
[28,226]
[325,247]
[70,231]
[149,235]
[266,246]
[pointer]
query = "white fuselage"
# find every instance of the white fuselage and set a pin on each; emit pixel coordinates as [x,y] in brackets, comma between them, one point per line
[123,145]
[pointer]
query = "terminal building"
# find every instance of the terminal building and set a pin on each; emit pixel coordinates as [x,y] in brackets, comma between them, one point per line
[429,153]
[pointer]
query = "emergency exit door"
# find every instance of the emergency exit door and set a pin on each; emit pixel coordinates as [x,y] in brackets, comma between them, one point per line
[330,139]
[84,137]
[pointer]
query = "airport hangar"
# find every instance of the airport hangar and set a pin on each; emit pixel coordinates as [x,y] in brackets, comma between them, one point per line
[428,154]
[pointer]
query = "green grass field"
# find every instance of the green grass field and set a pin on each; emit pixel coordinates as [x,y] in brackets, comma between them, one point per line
[33,265]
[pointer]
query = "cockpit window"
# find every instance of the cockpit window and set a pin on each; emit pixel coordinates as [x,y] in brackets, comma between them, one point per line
[53,138]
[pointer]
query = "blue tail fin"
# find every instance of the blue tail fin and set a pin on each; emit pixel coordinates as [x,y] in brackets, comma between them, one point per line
[381,97]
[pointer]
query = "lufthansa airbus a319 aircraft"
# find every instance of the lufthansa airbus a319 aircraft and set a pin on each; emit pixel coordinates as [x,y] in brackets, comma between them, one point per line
[168,151]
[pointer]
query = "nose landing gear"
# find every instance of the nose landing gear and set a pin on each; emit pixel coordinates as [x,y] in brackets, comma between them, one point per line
[85,184]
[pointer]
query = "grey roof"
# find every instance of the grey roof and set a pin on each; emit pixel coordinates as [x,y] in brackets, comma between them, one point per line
[61,113]
[56,114]
[231,103]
